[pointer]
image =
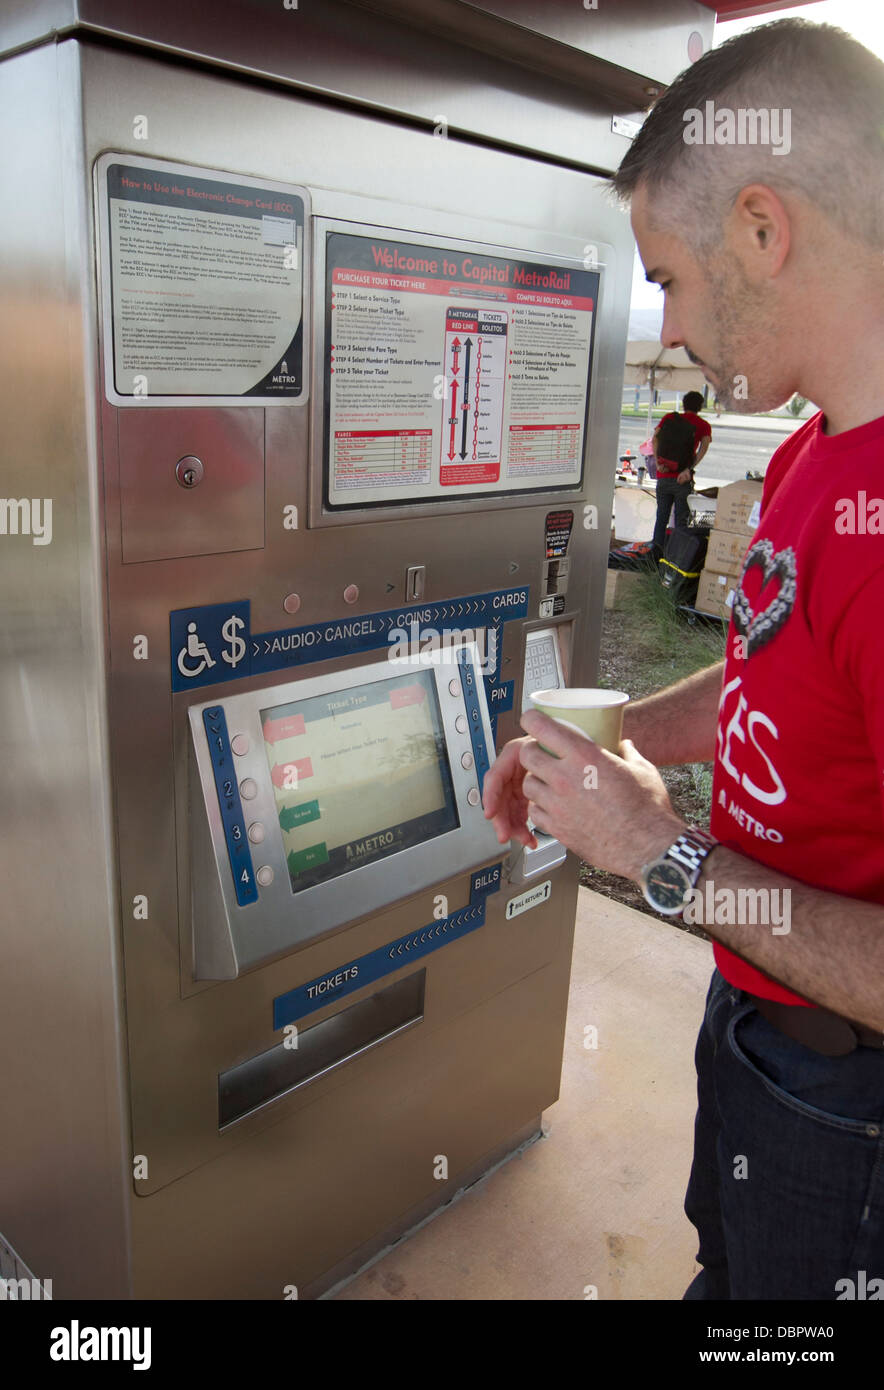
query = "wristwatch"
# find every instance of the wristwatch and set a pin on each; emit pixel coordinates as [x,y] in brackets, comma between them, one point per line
[667,881]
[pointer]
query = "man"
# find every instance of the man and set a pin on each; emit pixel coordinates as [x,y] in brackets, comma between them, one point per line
[680,442]
[771,263]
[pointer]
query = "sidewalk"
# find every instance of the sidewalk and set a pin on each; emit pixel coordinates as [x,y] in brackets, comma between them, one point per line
[599,1200]
[783,424]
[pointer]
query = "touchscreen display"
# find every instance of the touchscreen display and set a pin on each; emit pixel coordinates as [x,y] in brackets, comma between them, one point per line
[358,774]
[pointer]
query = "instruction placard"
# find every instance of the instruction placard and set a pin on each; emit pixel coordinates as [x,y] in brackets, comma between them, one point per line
[203,284]
[451,372]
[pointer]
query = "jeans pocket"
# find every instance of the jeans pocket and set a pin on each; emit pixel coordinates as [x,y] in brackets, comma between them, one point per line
[843,1093]
[719,999]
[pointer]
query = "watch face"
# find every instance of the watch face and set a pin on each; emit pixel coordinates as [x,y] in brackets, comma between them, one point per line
[667,886]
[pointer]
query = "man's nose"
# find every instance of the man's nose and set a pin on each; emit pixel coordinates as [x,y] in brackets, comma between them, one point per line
[670,333]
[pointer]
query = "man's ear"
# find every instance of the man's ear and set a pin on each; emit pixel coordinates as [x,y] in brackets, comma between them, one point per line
[762,228]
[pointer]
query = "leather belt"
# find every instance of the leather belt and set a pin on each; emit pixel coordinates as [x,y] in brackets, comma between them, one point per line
[819,1029]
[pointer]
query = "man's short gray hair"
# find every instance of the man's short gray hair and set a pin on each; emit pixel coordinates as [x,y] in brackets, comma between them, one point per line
[833,89]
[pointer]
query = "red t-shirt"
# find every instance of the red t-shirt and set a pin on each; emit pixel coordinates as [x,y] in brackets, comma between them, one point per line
[701,429]
[798,779]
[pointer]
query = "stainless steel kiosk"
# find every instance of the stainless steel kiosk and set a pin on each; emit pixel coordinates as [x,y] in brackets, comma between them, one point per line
[314,321]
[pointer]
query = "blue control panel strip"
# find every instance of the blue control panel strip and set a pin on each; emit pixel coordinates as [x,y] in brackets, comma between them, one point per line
[232,818]
[470,683]
[345,979]
[215,643]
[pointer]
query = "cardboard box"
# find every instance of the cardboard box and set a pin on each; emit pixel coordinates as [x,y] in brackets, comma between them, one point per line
[635,512]
[726,551]
[716,593]
[739,507]
[618,584]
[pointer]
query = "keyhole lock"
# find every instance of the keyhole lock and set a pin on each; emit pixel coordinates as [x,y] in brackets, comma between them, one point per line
[189,471]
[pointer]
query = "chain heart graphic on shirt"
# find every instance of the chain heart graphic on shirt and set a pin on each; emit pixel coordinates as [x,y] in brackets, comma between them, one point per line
[759,628]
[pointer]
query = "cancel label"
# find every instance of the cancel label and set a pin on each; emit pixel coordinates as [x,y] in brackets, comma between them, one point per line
[532,898]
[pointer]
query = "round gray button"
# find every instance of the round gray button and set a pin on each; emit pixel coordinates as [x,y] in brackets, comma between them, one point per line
[460,724]
[291,603]
[466,760]
[256,832]
[248,789]
[454,687]
[264,875]
[240,744]
[473,796]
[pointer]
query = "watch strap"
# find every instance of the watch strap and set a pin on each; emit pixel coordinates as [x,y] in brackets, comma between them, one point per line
[690,849]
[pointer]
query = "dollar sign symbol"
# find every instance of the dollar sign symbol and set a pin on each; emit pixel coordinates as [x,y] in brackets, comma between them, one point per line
[230,632]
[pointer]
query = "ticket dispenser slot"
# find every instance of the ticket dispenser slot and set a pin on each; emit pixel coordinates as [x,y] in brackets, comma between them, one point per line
[320,801]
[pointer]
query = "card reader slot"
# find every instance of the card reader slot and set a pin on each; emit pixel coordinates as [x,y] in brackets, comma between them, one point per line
[250,1085]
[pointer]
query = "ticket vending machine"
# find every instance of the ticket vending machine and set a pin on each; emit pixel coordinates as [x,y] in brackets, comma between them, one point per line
[311,412]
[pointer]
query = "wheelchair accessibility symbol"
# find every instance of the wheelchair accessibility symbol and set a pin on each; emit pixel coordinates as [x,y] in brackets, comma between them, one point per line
[196,652]
[209,644]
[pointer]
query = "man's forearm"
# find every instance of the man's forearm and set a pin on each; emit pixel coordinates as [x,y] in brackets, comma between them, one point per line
[678,724]
[827,948]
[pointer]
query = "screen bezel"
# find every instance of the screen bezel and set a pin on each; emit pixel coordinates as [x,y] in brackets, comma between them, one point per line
[281,920]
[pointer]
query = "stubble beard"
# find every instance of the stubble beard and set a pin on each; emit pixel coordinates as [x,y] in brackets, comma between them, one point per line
[745,369]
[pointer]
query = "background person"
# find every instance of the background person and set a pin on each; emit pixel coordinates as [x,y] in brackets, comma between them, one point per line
[675,476]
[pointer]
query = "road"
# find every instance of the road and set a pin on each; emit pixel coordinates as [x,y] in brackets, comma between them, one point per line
[734,449]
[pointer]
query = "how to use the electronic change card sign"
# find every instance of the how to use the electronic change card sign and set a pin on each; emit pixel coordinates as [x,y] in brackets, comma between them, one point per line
[202,284]
[451,372]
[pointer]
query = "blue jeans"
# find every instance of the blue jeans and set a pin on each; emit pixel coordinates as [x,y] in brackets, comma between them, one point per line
[670,493]
[787,1184]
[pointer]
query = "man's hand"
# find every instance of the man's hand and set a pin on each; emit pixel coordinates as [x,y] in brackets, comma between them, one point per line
[684,476]
[613,811]
[502,796]
[834,952]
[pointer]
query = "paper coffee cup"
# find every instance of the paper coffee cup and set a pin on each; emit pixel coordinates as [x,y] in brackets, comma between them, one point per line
[598,713]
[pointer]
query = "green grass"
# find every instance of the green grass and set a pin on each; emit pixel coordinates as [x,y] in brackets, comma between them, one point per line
[701,776]
[671,648]
[663,647]
[657,411]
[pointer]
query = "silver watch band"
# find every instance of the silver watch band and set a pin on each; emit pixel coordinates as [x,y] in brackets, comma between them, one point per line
[690,849]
